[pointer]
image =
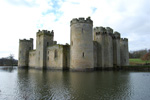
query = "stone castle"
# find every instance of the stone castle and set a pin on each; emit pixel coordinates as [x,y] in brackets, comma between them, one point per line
[89,49]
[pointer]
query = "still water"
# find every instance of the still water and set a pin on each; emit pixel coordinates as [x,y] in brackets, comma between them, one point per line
[16,84]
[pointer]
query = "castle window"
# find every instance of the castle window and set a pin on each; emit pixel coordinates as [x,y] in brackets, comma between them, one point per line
[29,48]
[55,54]
[82,30]
[72,43]
[97,33]
[83,54]
[47,43]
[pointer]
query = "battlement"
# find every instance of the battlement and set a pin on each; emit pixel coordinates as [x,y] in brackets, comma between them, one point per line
[81,20]
[25,40]
[124,39]
[54,42]
[100,30]
[116,35]
[109,30]
[45,32]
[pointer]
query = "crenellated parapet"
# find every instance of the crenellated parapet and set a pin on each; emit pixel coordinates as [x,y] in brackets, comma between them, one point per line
[81,20]
[124,40]
[100,30]
[116,35]
[45,32]
[109,30]
[25,40]
[54,42]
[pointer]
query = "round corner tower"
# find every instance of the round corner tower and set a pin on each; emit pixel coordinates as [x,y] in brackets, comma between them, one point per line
[103,36]
[98,36]
[81,44]
[124,53]
[24,47]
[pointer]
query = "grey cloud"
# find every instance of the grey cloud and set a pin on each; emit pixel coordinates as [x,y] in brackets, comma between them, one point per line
[136,26]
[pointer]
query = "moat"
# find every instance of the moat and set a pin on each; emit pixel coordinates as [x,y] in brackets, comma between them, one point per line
[16,84]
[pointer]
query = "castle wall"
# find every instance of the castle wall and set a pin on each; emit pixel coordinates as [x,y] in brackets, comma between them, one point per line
[66,56]
[24,47]
[81,44]
[58,57]
[124,53]
[116,49]
[32,58]
[95,44]
[55,57]
[44,39]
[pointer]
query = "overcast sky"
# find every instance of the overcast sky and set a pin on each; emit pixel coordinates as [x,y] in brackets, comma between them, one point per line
[21,19]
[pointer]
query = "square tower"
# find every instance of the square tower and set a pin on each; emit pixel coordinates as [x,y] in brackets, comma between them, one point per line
[44,39]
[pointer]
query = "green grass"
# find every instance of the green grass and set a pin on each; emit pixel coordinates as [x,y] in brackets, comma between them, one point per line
[137,61]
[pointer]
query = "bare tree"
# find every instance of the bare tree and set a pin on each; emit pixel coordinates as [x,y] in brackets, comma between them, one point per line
[146,57]
[11,58]
[138,53]
[8,61]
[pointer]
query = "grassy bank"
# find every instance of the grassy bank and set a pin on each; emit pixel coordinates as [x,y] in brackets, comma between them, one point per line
[137,62]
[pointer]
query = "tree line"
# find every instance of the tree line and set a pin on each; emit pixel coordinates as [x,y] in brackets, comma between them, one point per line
[140,54]
[8,61]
